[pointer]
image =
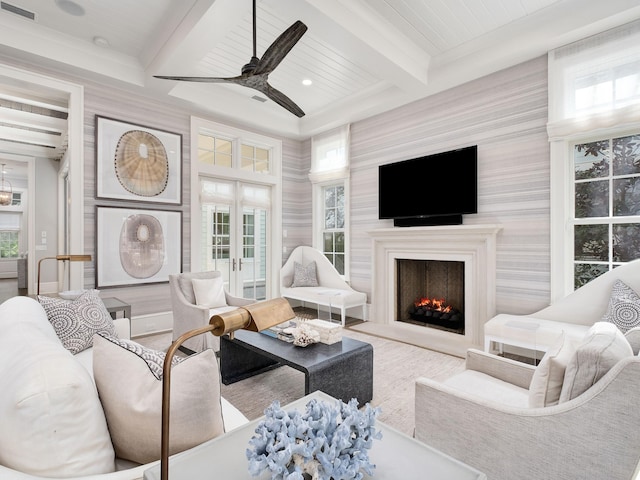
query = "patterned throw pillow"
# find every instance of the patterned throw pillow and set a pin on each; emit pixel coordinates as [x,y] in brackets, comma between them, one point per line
[77,321]
[154,358]
[624,307]
[304,276]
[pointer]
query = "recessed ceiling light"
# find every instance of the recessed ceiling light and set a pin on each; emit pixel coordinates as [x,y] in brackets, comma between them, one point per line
[72,8]
[306,82]
[101,41]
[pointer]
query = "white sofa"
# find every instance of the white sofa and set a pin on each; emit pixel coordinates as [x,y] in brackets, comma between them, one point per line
[573,314]
[43,382]
[332,291]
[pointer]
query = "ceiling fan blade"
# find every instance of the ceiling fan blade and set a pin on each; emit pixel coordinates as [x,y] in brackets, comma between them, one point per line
[280,47]
[201,79]
[282,100]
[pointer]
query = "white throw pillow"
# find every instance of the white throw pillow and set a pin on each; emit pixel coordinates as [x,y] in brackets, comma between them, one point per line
[304,276]
[604,345]
[77,321]
[131,396]
[209,292]
[624,307]
[52,420]
[548,377]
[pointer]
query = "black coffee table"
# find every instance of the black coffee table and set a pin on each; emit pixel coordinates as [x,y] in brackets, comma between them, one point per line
[343,370]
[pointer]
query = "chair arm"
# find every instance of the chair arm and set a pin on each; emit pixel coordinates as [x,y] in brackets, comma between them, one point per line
[505,369]
[633,336]
[234,301]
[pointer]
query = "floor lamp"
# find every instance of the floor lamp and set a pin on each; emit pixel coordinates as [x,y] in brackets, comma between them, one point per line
[254,317]
[62,258]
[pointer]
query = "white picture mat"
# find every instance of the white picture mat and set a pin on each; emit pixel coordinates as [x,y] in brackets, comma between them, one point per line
[108,133]
[109,269]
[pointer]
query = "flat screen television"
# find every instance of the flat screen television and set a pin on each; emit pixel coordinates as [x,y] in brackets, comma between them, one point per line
[431,190]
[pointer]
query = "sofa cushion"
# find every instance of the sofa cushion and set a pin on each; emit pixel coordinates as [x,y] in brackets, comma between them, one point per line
[209,292]
[77,321]
[603,347]
[131,396]
[548,377]
[53,424]
[624,307]
[485,386]
[304,276]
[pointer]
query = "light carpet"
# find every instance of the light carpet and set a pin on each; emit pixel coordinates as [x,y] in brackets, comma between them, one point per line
[396,366]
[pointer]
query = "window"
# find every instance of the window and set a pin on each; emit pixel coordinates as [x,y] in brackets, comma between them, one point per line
[606,205]
[594,130]
[214,150]
[9,242]
[254,159]
[329,176]
[10,234]
[333,232]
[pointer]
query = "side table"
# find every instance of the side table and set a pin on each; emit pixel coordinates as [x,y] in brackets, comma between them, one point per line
[115,305]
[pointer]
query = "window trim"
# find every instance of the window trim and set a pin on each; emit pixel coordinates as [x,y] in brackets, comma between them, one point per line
[318,218]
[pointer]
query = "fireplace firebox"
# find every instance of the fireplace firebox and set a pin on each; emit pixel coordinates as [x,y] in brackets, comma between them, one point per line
[431,293]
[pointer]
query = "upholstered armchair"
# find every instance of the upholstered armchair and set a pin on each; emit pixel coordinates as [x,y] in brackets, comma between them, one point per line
[486,416]
[189,313]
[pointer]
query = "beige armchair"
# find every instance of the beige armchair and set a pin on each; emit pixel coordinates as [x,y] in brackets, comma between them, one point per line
[187,315]
[481,416]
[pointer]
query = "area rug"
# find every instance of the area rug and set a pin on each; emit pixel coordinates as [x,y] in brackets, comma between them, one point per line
[396,366]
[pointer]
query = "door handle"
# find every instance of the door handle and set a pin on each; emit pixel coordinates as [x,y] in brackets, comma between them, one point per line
[233,265]
[239,264]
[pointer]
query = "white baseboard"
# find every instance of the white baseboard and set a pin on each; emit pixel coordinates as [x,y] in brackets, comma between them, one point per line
[151,323]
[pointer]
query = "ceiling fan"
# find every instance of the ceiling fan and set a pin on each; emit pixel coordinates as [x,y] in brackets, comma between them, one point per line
[255,73]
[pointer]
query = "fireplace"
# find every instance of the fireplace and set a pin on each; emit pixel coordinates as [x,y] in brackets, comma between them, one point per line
[430,293]
[466,251]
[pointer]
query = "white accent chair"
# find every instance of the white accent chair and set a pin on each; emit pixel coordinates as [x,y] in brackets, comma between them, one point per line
[187,315]
[573,314]
[482,417]
[332,291]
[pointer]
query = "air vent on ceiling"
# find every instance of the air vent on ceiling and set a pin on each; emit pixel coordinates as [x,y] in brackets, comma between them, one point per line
[260,99]
[7,7]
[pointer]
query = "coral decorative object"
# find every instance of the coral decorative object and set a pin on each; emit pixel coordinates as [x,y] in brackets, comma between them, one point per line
[329,441]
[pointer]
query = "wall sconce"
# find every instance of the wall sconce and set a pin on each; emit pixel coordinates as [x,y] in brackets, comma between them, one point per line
[254,317]
[6,191]
[62,258]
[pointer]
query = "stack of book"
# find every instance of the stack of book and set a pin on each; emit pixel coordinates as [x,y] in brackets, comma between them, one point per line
[330,333]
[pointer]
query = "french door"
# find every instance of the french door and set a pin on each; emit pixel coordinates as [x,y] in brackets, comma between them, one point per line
[235,234]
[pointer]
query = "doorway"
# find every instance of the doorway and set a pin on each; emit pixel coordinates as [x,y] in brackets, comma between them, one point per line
[236,217]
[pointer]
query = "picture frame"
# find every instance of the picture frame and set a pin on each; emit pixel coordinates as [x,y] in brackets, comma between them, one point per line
[137,163]
[137,246]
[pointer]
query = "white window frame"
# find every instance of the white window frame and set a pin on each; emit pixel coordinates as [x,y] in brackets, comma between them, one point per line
[273,179]
[329,170]
[565,129]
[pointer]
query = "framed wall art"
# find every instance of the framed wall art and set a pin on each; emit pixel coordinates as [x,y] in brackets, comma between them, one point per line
[136,246]
[137,163]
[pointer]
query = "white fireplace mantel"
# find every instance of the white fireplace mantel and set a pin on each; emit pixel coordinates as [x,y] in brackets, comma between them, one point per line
[475,245]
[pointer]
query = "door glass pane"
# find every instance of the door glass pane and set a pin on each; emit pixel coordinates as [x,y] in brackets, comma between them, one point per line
[592,199]
[591,243]
[254,248]
[626,242]
[216,240]
[626,155]
[591,160]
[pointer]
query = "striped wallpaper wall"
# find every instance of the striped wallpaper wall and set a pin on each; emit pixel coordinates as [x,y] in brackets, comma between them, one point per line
[505,114]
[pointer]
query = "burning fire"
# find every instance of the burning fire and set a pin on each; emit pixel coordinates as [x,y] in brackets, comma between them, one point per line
[436,304]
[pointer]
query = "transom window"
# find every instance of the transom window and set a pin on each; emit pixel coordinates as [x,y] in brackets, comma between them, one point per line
[214,150]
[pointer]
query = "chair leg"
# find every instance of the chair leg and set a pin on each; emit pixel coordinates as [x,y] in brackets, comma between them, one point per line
[343,312]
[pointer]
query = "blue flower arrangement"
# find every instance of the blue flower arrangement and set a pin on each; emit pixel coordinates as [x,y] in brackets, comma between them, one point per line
[329,441]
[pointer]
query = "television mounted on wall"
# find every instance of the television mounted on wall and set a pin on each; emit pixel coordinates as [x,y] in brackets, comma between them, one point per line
[429,190]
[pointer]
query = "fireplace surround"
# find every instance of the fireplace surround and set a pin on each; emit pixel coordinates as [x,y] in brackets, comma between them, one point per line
[472,245]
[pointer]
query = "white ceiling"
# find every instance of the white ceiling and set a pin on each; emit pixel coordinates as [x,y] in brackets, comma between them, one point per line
[363,56]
